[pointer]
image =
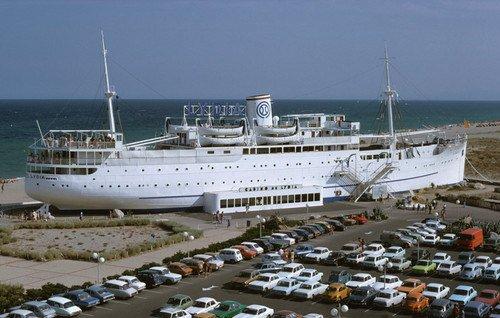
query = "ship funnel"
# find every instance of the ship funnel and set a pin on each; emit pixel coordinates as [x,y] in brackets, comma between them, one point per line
[259,110]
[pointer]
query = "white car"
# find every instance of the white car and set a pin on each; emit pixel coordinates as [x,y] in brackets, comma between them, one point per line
[230,255]
[431,239]
[317,254]
[449,268]
[355,258]
[394,252]
[291,270]
[285,287]
[63,306]
[360,280]
[254,247]
[133,282]
[482,261]
[19,313]
[255,311]
[273,258]
[374,261]
[440,258]
[313,316]
[202,305]
[496,260]
[399,264]
[435,291]
[492,273]
[171,278]
[281,239]
[173,312]
[387,282]
[435,225]
[215,263]
[309,274]
[448,239]
[424,227]
[374,249]
[309,290]
[350,248]
[389,298]
[264,282]
[120,289]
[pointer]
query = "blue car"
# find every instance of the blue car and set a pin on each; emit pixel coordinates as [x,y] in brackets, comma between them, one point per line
[100,292]
[339,276]
[463,294]
[302,250]
[82,299]
[476,309]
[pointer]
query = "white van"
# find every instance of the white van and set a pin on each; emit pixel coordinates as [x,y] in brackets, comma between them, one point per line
[121,289]
[231,255]
[492,273]
[281,240]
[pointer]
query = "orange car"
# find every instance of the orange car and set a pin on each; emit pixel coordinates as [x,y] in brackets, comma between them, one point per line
[245,251]
[180,268]
[411,285]
[416,302]
[336,292]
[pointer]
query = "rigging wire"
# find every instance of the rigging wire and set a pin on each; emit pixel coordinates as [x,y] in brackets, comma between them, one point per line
[479,173]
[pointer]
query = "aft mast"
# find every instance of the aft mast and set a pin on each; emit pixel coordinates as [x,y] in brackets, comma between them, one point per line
[109,93]
[389,93]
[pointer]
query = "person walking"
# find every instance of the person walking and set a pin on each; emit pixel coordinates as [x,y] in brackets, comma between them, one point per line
[228,223]
[292,256]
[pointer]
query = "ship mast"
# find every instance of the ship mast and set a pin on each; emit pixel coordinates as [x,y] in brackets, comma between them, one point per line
[389,93]
[109,93]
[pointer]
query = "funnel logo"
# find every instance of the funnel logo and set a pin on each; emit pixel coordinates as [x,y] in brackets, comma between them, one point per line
[263,109]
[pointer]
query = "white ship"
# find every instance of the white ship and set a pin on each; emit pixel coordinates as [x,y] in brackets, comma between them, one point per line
[237,163]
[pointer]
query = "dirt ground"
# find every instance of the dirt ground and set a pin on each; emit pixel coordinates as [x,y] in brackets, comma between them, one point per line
[484,154]
[87,239]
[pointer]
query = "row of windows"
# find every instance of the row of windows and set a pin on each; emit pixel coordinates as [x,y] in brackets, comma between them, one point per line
[59,170]
[289,149]
[270,200]
[382,155]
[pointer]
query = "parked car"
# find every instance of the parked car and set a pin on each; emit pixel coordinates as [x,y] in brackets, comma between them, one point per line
[320,228]
[336,292]
[255,311]
[39,309]
[230,255]
[387,282]
[463,294]
[285,287]
[483,261]
[309,274]
[178,301]
[345,220]
[393,238]
[305,235]
[266,246]
[394,252]
[269,267]
[197,266]
[151,278]
[416,303]
[449,269]
[374,261]
[309,290]
[362,296]
[495,313]
[441,308]
[359,218]
[431,239]
[492,273]
[288,314]
[436,225]
[293,234]
[302,250]
[275,258]
[174,313]
[121,289]
[355,258]
[19,313]
[470,239]
[133,282]
[374,249]
[264,282]
[334,258]
[281,240]
[317,254]
[448,240]
[490,297]
[440,258]
[180,268]
[337,225]
[63,306]
[399,264]
[471,272]
[213,263]
[424,267]
[476,309]
[419,254]
[81,298]
[389,298]
[492,243]
[360,280]
[465,257]
[247,253]
[339,276]
[170,278]
[436,291]
[202,305]
[311,229]
[291,270]
[351,248]
[228,309]
[412,285]
[244,278]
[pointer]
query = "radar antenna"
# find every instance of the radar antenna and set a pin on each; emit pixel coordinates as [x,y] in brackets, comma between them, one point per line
[110,93]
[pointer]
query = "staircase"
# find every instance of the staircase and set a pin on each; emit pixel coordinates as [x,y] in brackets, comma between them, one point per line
[362,187]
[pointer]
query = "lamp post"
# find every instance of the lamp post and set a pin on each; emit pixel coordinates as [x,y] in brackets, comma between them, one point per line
[337,312]
[261,220]
[187,237]
[384,268]
[100,260]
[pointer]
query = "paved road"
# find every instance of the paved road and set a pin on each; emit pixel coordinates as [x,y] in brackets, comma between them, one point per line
[148,301]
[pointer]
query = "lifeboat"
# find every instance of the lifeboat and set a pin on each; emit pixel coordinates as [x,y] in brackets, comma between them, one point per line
[220,130]
[276,140]
[275,130]
[221,141]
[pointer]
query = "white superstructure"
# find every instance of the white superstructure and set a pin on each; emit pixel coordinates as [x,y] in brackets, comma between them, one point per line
[237,163]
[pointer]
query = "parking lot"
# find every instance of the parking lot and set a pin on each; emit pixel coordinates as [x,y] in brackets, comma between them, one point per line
[148,301]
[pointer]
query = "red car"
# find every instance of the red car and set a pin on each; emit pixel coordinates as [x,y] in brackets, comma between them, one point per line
[245,251]
[359,218]
[489,296]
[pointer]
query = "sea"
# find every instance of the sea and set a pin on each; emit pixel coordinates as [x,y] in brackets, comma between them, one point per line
[141,119]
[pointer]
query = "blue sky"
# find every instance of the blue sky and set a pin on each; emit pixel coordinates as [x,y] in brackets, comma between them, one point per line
[231,49]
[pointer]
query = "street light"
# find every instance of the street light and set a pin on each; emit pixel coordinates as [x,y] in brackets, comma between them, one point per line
[100,260]
[337,312]
[261,220]
[384,268]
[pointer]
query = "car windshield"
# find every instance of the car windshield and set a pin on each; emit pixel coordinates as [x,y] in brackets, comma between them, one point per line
[348,247]
[392,250]
[410,284]
[360,292]
[481,260]
[302,248]
[174,301]
[445,266]
[461,292]
[432,289]
[397,260]
[199,304]
[439,257]
[448,236]
[99,290]
[488,295]
[423,263]
[358,278]
[224,307]
[250,311]
[288,269]
[306,274]
[245,274]
[467,269]
[436,307]
[83,296]
[412,298]
[384,295]
[384,279]
[463,257]
[284,283]
[370,258]
[264,278]
[44,307]
[306,286]
[317,251]
[429,237]
[68,304]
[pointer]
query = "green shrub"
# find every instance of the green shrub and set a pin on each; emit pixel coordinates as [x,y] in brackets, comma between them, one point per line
[11,295]
[6,236]
[81,224]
